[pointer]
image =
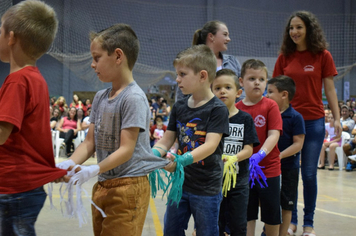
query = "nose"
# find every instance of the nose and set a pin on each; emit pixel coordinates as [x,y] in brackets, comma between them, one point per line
[178,79]
[92,65]
[228,39]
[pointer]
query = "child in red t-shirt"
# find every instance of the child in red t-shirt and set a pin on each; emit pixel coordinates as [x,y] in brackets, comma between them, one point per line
[268,123]
[26,155]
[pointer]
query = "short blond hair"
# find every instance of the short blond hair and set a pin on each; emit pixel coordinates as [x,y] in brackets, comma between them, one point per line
[34,23]
[198,58]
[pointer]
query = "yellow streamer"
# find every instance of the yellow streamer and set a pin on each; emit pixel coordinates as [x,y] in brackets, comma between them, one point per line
[230,173]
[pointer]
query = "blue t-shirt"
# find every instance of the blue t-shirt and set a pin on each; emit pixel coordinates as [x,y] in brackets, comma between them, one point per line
[293,124]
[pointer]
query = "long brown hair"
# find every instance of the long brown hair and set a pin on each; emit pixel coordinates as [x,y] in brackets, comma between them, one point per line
[315,38]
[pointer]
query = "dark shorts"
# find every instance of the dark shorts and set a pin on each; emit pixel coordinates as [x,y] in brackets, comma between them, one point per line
[289,190]
[269,199]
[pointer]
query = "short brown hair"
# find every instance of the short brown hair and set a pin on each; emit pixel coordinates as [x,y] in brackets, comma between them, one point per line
[231,73]
[119,36]
[198,58]
[34,23]
[253,64]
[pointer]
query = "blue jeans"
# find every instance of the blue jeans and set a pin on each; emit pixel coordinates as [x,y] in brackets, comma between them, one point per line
[314,137]
[19,211]
[205,210]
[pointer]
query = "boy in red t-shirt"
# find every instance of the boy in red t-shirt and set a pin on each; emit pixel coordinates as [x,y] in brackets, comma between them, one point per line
[268,123]
[26,155]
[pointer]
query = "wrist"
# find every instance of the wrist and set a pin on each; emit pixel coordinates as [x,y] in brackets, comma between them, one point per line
[187,159]
[262,152]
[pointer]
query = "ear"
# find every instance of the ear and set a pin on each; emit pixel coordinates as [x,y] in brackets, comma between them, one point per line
[210,37]
[284,94]
[204,75]
[239,92]
[119,55]
[241,81]
[12,39]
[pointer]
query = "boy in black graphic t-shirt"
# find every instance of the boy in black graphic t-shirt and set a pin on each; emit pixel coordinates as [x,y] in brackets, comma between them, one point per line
[243,137]
[199,122]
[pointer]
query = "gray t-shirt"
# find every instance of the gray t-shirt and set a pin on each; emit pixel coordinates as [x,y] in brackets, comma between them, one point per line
[128,109]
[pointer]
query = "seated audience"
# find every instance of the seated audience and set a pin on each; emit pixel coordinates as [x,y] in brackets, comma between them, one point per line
[69,127]
[346,122]
[330,142]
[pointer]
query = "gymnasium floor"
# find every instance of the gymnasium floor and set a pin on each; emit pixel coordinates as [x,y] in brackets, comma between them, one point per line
[335,213]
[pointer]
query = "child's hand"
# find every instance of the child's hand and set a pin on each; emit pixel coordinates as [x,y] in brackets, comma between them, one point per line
[257,157]
[185,159]
[170,156]
[171,167]
[65,164]
[84,174]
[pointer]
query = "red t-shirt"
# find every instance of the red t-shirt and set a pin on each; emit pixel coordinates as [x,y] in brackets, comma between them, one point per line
[26,158]
[308,71]
[266,116]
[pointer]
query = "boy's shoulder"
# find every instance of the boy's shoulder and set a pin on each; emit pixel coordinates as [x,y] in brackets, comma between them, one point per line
[240,117]
[291,113]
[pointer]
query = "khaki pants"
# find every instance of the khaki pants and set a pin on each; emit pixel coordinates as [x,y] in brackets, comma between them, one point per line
[125,202]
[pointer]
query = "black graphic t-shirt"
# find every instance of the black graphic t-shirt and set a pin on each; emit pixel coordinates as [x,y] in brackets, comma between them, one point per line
[242,132]
[191,126]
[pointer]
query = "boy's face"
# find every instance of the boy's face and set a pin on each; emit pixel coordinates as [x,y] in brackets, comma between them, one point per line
[4,47]
[274,94]
[224,88]
[188,82]
[254,82]
[103,64]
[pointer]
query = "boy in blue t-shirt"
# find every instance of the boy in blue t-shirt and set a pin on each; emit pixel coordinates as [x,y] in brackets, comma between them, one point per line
[281,89]
[239,144]
[199,123]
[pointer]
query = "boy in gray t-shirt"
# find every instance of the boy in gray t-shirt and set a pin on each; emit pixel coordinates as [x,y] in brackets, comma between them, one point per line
[119,133]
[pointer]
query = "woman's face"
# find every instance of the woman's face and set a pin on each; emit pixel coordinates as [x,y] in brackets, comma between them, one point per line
[298,32]
[80,113]
[221,39]
[75,98]
[72,112]
[56,112]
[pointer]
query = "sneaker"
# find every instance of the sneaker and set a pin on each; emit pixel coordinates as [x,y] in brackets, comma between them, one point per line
[348,166]
[353,157]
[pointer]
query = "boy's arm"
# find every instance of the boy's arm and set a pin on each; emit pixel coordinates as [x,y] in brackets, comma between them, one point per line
[245,153]
[212,141]
[298,141]
[166,142]
[128,139]
[86,148]
[271,140]
[5,131]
